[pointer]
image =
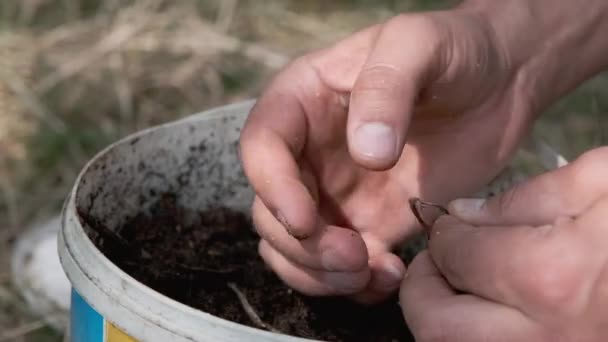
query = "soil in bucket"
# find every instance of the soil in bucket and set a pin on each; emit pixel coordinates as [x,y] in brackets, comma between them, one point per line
[209,260]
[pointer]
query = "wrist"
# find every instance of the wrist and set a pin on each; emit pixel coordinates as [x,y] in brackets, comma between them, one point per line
[552,45]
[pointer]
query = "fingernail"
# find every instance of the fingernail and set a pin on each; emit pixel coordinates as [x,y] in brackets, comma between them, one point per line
[467,207]
[331,260]
[375,140]
[397,273]
[283,220]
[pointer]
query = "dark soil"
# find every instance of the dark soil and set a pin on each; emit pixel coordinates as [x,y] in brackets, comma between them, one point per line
[192,257]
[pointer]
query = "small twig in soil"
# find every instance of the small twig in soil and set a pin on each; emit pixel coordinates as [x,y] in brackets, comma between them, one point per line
[417,206]
[187,272]
[21,331]
[181,270]
[204,270]
[250,311]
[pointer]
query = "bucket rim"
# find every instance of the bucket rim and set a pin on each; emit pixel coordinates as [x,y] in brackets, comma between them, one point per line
[73,241]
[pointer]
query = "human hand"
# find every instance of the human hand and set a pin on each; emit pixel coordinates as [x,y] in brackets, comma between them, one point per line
[527,265]
[325,146]
[428,105]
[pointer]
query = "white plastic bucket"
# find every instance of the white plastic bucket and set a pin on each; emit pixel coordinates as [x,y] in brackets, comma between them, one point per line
[108,305]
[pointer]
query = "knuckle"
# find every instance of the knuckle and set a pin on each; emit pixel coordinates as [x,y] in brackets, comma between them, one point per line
[375,91]
[304,61]
[554,285]
[585,177]
[379,79]
[298,68]
[591,167]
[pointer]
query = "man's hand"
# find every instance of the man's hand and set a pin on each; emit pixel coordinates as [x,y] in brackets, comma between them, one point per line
[428,105]
[528,265]
[422,105]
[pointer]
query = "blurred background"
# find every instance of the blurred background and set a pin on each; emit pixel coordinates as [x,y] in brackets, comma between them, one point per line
[76,75]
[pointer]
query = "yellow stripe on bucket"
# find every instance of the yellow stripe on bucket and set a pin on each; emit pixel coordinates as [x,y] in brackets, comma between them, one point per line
[114,334]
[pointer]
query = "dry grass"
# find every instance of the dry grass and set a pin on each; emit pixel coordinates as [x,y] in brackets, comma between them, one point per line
[77,74]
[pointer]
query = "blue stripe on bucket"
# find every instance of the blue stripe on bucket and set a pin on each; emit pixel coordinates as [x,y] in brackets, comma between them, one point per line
[86,324]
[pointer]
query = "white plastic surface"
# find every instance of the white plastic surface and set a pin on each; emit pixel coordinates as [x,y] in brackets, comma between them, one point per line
[38,275]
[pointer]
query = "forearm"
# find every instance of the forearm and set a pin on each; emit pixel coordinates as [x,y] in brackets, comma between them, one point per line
[554,44]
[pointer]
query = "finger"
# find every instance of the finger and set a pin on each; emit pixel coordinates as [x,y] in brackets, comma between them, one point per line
[492,262]
[434,312]
[385,92]
[563,192]
[331,248]
[423,283]
[271,142]
[387,272]
[313,282]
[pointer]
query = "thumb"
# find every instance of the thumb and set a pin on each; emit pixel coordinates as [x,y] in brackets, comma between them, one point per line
[566,191]
[384,94]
